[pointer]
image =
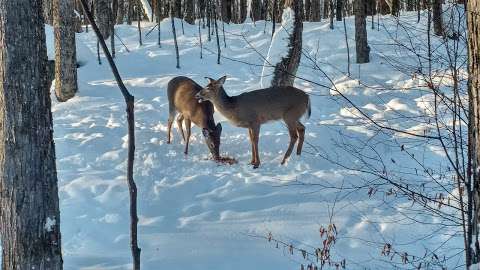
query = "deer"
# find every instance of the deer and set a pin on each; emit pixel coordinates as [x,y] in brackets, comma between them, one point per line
[252,109]
[181,93]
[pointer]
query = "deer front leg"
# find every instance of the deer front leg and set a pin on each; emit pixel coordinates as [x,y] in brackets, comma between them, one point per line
[188,127]
[180,125]
[250,134]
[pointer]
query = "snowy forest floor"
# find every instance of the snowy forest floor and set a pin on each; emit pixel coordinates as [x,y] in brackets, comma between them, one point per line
[196,214]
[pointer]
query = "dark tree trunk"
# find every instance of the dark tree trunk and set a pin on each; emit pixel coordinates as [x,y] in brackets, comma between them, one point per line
[326,9]
[383,7]
[243,11]
[29,215]
[437,17]
[226,6]
[473,24]
[395,8]
[256,10]
[65,51]
[332,13]
[120,11]
[362,48]
[286,70]
[103,13]
[308,6]
[316,11]
[174,31]
[189,11]
[339,10]
[178,9]
[410,5]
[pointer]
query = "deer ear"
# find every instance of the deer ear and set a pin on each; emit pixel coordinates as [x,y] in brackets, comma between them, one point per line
[210,80]
[222,80]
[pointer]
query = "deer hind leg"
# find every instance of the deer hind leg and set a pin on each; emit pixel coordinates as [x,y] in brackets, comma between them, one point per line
[180,125]
[188,127]
[169,128]
[301,137]
[292,130]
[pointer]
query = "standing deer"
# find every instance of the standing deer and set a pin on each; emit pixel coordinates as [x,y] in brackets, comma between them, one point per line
[252,109]
[181,98]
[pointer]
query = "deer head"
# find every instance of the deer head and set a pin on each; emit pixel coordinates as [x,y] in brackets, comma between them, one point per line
[212,139]
[210,92]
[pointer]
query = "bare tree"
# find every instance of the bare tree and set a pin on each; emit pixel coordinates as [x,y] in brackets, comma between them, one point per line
[29,216]
[362,48]
[473,23]
[286,70]
[189,11]
[65,51]
[437,17]
[174,31]
[103,13]
[316,11]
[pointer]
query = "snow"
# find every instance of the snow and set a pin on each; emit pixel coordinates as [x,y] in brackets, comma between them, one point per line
[279,46]
[148,9]
[196,214]
[49,223]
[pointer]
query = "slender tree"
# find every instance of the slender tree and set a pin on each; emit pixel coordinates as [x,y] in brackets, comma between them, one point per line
[473,24]
[189,11]
[362,48]
[29,215]
[286,69]
[316,11]
[65,51]
[338,12]
[174,31]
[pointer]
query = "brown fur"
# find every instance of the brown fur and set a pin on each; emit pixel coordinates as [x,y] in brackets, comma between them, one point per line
[181,99]
[252,109]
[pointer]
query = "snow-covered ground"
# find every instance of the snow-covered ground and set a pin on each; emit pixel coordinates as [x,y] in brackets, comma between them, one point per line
[196,214]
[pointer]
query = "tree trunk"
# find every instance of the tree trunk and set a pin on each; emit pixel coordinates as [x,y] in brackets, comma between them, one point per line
[473,24]
[437,17]
[121,11]
[339,10]
[316,11]
[395,8]
[174,31]
[103,14]
[362,48]
[65,51]
[308,6]
[178,9]
[286,70]
[243,11]
[256,10]
[29,216]
[189,11]
[47,6]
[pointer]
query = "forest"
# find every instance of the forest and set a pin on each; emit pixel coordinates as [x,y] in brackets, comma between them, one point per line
[239,134]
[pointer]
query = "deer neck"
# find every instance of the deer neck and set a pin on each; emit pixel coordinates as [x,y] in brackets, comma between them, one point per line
[225,104]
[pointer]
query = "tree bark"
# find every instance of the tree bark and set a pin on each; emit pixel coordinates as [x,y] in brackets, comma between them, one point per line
[29,216]
[338,12]
[189,11]
[286,70]
[473,24]
[65,51]
[362,48]
[256,10]
[47,6]
[120,11]
[316,11]
[308,6]
[437,17]
[103,13]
